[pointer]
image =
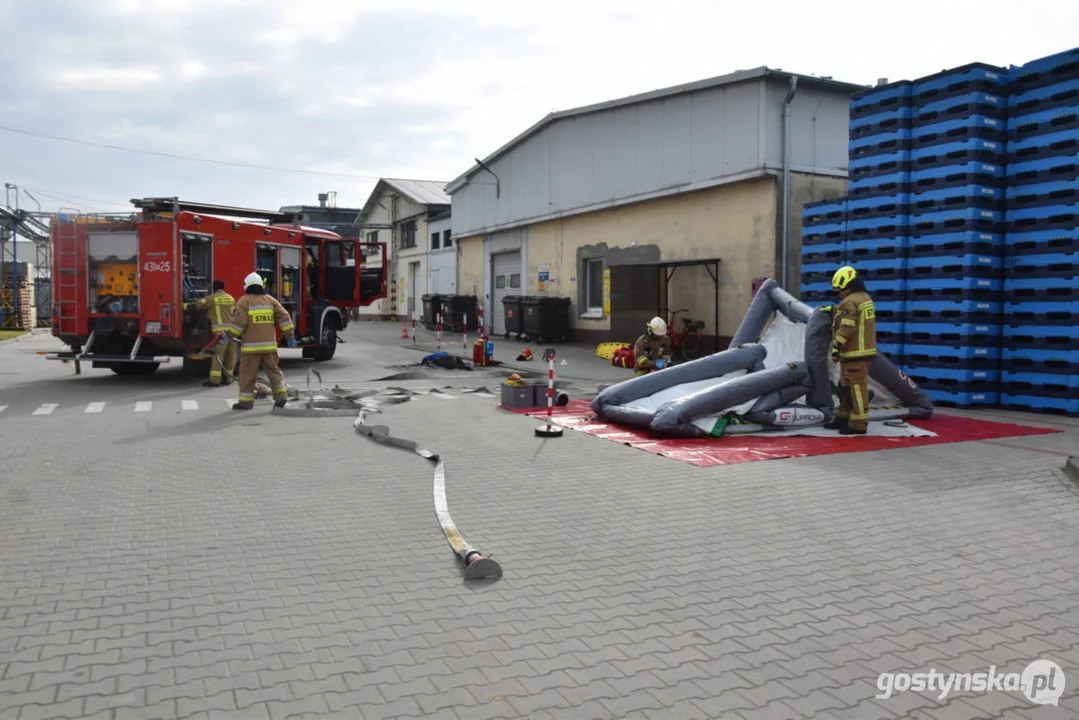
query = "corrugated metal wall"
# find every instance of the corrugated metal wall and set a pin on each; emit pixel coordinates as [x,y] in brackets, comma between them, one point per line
[680,141]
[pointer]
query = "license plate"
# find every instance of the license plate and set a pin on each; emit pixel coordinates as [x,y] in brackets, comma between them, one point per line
[153,328]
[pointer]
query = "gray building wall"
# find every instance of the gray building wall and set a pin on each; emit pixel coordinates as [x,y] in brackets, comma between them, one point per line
[677,143]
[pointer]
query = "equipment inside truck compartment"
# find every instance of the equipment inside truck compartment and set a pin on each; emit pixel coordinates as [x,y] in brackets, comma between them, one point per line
[197,251]
[113,264]
[290,281]
[266,266]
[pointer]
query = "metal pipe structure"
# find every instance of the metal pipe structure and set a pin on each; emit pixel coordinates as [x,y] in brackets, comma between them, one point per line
[787,180]
[15,254]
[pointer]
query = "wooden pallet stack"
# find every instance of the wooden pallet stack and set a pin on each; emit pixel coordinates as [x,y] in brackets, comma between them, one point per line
[26,317]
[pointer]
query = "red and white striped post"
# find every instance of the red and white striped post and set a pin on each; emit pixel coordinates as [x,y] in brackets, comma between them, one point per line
[465,343]
[549,430]
[440,328]
[413,331]
[479,312]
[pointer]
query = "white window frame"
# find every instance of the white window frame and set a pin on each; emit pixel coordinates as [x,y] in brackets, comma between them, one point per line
[592,311]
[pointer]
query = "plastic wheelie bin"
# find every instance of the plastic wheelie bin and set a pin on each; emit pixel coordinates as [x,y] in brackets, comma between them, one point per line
[431,304]
[511,305]
[546,318]
[457,309]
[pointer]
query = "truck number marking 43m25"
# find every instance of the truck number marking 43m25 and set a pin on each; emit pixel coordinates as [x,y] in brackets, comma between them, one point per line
[154,266]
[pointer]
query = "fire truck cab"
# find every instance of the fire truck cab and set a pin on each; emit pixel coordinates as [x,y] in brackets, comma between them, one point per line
[122,285]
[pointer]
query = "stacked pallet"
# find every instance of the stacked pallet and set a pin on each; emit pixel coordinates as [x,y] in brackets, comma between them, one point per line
[823,247]
[955,254]
[878,199]
[25,318]
[1040,355]
[962,215]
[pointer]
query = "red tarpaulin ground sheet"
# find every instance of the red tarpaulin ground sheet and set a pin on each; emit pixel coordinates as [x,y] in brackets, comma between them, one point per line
[732,449]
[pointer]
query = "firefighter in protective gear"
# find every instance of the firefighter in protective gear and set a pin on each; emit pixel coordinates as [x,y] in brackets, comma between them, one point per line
[219,307]
[257,317]
[854,345]
[652,351]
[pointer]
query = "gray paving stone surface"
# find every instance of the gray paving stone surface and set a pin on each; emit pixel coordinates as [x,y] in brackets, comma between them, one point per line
[209,564]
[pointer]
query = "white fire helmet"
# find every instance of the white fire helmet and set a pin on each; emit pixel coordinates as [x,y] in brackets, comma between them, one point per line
[657,326]
[253,279]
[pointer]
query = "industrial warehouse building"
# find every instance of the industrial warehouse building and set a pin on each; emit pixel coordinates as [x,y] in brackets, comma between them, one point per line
[590,203]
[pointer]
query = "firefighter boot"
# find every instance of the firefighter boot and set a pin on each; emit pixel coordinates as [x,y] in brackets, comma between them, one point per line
[241,406]
[842,413]
[852,431]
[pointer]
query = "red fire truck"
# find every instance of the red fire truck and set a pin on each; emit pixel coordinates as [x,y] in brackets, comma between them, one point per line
[120,283]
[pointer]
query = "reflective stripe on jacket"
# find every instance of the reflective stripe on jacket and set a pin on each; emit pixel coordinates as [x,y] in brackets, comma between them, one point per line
[254,321]
[854,327]
[219,306]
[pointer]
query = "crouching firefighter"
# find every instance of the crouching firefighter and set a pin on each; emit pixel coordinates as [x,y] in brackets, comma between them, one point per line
[854,345]
[219,307]
[652,351]
[257,314]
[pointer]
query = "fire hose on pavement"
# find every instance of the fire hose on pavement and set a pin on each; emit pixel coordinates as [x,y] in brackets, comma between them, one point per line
[339,402]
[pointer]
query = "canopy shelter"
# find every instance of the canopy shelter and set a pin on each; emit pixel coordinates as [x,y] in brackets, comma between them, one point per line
[640,290]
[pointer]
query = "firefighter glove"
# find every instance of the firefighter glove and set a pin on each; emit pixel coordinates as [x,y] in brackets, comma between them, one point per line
[292,342]
[660,364]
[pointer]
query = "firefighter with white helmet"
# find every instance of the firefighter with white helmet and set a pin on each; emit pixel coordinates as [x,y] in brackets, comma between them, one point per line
[854,345]
[257,317]
[652,351]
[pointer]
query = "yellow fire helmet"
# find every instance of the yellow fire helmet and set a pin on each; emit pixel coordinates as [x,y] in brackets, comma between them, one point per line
[514,380]
[842,277]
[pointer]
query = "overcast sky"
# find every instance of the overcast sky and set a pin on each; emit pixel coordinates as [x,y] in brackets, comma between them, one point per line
[410,88]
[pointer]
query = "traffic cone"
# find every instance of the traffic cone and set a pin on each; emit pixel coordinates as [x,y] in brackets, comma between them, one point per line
[404,331]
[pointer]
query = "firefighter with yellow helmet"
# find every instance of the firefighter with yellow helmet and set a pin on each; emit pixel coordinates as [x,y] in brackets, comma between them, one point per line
[652,351]
[854,345]
[256,319]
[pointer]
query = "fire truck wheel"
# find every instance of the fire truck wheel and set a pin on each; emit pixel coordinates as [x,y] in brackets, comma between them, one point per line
[328,346]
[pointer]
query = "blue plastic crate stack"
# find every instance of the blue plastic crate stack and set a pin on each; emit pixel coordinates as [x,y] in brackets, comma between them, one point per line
[1040,354]
[878,200]
[955,254]
[823,248]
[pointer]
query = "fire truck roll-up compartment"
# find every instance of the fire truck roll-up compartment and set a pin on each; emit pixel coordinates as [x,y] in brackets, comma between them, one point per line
[122,283]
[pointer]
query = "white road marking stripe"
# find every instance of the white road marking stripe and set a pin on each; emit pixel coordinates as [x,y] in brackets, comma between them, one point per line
[143,406]
[46,409]
[444,396]
[3,408]
[95,407]
[228,403]
[190,405]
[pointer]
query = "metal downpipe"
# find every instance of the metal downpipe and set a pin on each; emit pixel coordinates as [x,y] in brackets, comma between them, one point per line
[787,182]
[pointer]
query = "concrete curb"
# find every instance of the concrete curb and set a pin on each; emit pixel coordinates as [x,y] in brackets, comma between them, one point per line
[1071,468]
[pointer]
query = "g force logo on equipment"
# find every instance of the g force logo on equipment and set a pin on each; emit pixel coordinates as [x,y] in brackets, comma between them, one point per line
[1041,682]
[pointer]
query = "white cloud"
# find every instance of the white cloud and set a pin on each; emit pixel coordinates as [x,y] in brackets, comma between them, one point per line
[104,79]
[377,87]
